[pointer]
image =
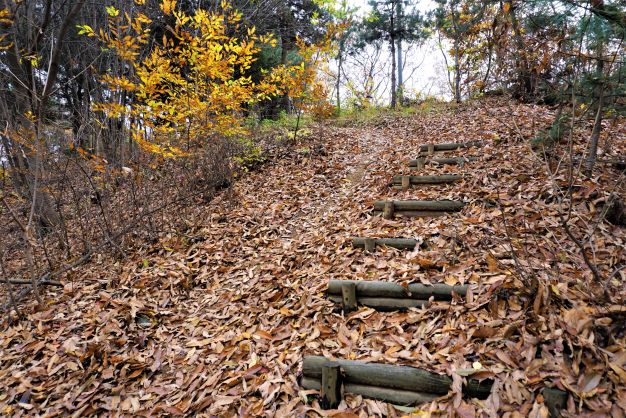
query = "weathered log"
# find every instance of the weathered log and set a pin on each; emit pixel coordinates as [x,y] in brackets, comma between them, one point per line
[450,146]
[421,205]
[440,161]
[416,213]
[555,400]
[399,243]
[394,396]
[394,377]
[376,289]
[331,385]
[446,178]
[384,304]
[30,282]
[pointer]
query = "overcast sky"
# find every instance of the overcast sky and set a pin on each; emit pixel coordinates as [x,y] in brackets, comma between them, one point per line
[424,70]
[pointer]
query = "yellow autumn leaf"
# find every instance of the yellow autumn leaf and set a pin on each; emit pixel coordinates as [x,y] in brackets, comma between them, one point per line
[168,6]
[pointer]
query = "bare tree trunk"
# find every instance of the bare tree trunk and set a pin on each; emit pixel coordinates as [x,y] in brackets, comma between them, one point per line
[339,64]
[29,98]
[457,71]
[392,44]
[399,47]
[597,125]
[457,55]
[524,79]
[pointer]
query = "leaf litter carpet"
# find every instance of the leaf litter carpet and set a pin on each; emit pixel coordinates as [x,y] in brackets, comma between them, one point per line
[216,322]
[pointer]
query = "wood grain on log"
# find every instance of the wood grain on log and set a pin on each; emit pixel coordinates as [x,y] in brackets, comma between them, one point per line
[416,213]
[439,291]
[441,161]
[450,146]
[394,377]
[446,178]
[394,396]
[384,304]
[400,243]
[421,205]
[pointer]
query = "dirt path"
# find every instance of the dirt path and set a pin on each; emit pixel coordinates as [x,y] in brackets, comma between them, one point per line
[220,326]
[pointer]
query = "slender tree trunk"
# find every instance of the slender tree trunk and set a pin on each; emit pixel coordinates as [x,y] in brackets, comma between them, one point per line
[457,71]
[597,125]
[490,59]
[284,50]
[392,45]
[524,79]
[31,171]
[595,137]
[457,55]
[399,47]
[339,64]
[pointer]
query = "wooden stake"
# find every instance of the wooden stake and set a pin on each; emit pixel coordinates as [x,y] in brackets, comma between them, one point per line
[331,385]
[388,210]
[370,245]
[555,400]
[421,162]
[348,297]
[406,182]
[431,149]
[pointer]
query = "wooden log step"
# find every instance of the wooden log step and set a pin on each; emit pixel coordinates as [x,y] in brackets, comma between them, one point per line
[449,146]
[397,181]
[394,396]
[402,378]
[416,208]
[378,289]
[441,161]
[427,205]
[382,304]
[399,243]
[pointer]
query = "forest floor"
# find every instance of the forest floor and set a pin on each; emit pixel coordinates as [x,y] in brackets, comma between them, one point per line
[216,321]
